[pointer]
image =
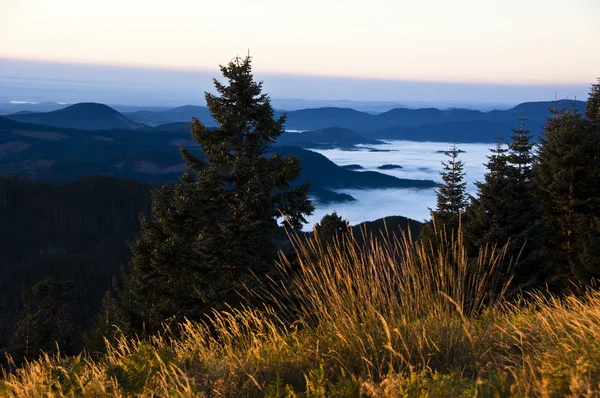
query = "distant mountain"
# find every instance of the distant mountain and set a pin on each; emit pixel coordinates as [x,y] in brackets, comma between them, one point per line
[61,155]
[367,124]
[417,117]
[332,137]
[85,116]
[7,108]
[426,124]
[473,131]
[320,118]
[173,115]
[364,106]
[387,124]
[534,110]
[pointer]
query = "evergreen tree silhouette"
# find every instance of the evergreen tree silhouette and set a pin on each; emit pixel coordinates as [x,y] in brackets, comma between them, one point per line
[567,177]
[211,236]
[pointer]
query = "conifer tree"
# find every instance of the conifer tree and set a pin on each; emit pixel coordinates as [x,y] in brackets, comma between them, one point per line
[485,217]
[330,227]
[451,195]
[568,184]
[592,108]
[526,231]
[211,235]
[451,201]
[47,322]
[506,211]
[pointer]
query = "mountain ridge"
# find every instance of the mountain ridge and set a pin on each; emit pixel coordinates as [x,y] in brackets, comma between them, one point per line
[365,123]
[83,115]
[61,155]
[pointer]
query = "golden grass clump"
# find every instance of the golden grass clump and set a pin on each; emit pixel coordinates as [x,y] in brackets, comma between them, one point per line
[388,305]
[376,316]
[553,344]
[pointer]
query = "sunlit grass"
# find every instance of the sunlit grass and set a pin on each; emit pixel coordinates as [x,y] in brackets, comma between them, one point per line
[381,318]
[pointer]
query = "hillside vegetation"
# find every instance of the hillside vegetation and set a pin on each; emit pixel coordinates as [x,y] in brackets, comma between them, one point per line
[380,319]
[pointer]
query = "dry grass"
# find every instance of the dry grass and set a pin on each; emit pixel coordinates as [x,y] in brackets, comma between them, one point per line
[384,318]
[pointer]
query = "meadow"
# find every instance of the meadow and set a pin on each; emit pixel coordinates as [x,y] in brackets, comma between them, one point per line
[367,317]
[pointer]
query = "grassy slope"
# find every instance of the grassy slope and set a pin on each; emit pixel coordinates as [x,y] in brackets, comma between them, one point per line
[383,320]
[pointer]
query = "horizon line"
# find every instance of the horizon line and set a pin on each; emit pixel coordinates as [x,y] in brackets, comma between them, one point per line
[190,69]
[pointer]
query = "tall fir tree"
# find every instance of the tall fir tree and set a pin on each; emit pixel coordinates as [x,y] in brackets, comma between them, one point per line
[485,217]
[506,211]
[527,232]
[568,184]
[211,236]
[451,201]
[451,194]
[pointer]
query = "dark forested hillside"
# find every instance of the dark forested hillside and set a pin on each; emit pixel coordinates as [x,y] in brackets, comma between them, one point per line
[61,155]
[77,232]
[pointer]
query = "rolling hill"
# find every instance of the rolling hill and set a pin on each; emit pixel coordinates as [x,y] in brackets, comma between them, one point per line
[173,115]
[321,118]
[324,174]
[84,116]
[62,155]
[390,123]
[366,124]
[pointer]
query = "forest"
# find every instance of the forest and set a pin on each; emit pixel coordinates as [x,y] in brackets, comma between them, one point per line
[208,287]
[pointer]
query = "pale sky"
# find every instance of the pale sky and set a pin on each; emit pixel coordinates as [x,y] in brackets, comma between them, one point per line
[468,41]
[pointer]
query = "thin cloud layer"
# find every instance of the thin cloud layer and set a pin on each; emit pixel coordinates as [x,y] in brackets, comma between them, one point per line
[419,160]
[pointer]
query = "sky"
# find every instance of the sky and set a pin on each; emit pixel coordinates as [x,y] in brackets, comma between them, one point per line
[315,47]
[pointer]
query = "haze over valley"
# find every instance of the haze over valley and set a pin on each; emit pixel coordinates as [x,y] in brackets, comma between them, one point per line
[61,143]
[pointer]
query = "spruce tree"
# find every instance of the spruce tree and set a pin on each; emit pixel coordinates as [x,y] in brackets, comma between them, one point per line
[211,235]
[568,183]
[451,194]
[506,211]
[485,217]
[526,232]
[451,201]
